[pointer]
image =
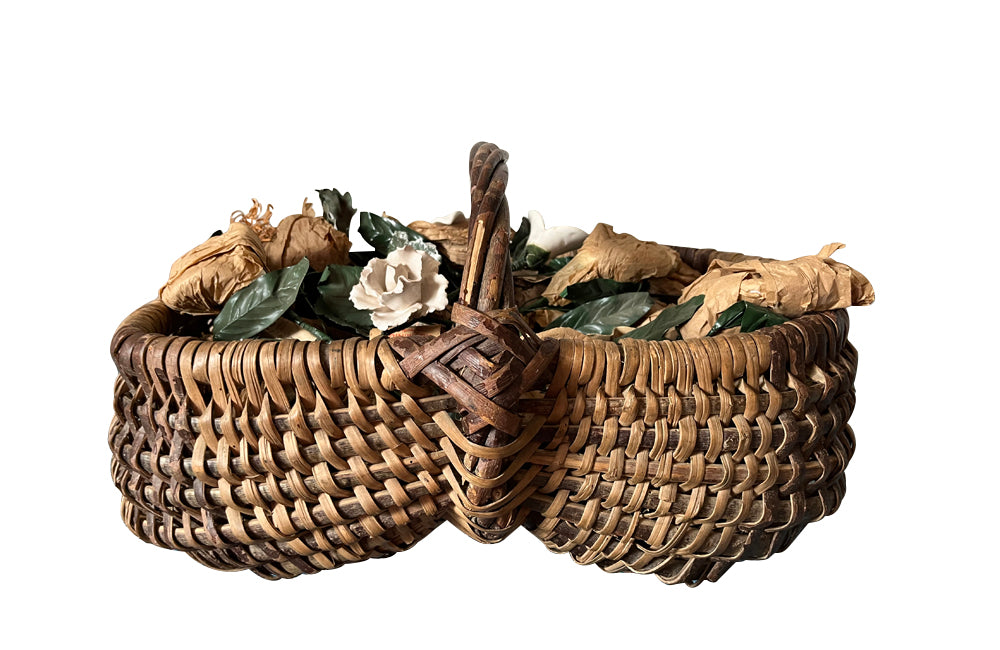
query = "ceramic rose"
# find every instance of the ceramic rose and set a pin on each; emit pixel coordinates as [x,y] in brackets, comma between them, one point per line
[403,286]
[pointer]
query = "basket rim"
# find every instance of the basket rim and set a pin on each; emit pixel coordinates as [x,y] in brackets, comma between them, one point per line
[132,332]
[780,349]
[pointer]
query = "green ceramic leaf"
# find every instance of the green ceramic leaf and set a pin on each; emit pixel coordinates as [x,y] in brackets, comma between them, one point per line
[332,299]
[337,208]
[748,316]
[256,306]
[603,315]
[534,256]
[518,243]
[599,288]
[554,265]
[672,316]
[386,235]
[361,258]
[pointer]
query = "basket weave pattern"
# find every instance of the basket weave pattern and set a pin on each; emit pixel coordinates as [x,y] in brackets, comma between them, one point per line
[676,458]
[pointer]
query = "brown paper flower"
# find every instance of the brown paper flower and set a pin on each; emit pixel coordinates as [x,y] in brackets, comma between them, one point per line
[450,233]
[306,235]
[621,257]
[791,288]
[673,283]
[202,280]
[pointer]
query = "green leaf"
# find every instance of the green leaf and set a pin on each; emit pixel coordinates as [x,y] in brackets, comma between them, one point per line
[518,242]
[603,315]
[256,306]
[386,235]
[670,317]
[557,263]
[534,256]
[337,208]
[748,316]
[599,288]
[332,299]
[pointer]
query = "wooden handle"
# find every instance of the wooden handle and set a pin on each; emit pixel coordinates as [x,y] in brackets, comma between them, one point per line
[487,281]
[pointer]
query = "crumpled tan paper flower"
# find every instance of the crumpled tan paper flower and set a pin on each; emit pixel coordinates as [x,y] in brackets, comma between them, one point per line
[205,277]
[450,233]
[621,257]
[791,288]
[403,286]
[306,235]
[673,283]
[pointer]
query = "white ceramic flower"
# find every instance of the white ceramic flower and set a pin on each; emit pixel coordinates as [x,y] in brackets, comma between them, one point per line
[545,243]
[402,286]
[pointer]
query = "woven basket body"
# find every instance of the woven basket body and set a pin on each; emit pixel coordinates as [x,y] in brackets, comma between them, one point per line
[676,458]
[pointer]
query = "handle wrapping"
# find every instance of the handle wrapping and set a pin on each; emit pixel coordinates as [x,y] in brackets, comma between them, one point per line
[487,281]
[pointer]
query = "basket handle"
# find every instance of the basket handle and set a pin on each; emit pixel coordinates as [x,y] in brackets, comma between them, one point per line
[487,361]
[487,280]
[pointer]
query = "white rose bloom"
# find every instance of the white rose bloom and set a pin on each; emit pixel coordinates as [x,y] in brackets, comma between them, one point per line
[402,286]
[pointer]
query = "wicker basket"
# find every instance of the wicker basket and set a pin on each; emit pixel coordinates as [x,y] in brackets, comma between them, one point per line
[676,458]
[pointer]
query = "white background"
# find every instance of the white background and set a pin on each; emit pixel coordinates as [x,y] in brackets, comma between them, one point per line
[130,132]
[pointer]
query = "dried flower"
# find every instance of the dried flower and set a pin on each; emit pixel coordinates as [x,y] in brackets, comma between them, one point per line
[306,235]
[450,233]
[607,254]
[205,277]
[790,288]
[673,283]
[403,286]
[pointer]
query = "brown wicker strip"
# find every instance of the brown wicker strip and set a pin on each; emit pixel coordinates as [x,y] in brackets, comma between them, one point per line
[676,458]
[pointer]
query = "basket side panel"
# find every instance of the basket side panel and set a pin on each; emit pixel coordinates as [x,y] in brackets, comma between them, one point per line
[681,458]
[279,457]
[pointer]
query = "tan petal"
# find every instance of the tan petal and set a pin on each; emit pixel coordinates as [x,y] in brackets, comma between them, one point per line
[205,277]
[305,235]
[791,288]
[621,257]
